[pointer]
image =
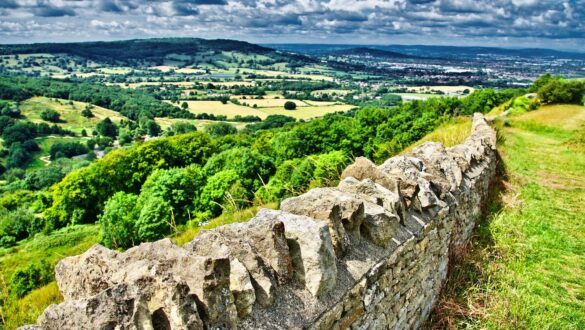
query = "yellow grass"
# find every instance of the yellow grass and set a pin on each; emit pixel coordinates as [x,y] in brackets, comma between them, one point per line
[231,110]
[449,134]
[71,114]
[307,112]
[266,103]
[445,89]
[217,108]
[567,116]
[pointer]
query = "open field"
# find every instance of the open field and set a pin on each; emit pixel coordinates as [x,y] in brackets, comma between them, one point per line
[199,123]
[70,113]
[266,103]
[331,92]
[231,110]
[444,89]
[526,266]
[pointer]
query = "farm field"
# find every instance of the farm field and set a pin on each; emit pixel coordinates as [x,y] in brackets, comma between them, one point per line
[199,123]
[70,113]
[231,110]
[444,89]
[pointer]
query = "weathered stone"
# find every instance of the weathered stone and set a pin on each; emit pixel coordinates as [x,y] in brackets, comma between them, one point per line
[242,288]
[86,274]
[207,277]
[364,168]
[311,250]
[154,303]
[343,212]
[214,243]
[380,226]
[267,239]
[372,192]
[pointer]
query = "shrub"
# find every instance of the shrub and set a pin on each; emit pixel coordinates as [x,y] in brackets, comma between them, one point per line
[117,222]
[28,278]
[156,219]
[220,129]
[290,105]
[50,115]
[67,149]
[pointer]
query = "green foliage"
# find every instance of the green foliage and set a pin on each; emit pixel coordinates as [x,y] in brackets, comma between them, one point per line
[117,223]
[67,149]
[50,115]
[26,279]
[213,195]
[182,128]
[178,186]
[18,224]
[290,105]
[220,129]
[251,167]
[132,103]
[272,121]
[107,128]
[295,176]
[156,218]
[121,170]
[562,91]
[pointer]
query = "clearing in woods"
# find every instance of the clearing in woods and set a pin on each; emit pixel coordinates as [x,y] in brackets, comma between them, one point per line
[70,112]
[525,268]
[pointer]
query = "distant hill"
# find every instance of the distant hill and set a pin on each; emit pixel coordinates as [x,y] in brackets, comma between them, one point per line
[143,50]
[379,53]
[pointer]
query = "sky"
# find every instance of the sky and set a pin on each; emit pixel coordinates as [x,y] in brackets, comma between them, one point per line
[553,24]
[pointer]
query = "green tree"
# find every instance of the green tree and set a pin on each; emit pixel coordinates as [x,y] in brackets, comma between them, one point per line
[156,219]
[290,105]
[107,128]
[50,115]
[220,129]
[117,223]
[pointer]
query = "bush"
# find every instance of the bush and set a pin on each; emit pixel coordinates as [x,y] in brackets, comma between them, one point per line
[50,115]
[156,219]
[67,149]
[290,105]
[220,129]
[31,277]
[117,223]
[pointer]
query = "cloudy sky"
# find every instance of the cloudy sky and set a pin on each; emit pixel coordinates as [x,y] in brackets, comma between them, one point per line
[508,23]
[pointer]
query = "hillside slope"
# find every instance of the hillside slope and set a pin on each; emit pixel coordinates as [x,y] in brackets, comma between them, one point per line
[526,268]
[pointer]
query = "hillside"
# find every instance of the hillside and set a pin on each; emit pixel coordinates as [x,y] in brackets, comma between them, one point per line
[146,51]
[525,269]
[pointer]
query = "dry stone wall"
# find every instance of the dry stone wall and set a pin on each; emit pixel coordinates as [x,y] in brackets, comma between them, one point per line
[371,253]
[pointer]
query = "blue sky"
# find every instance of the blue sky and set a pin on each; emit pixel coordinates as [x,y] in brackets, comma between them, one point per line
[507,23]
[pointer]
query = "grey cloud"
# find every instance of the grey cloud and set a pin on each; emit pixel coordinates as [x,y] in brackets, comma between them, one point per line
[8,4]
[50,11]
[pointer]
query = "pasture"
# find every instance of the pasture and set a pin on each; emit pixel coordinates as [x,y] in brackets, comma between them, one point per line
[70,112]
[303,111]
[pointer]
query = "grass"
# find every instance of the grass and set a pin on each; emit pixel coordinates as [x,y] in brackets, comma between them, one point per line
[52,248]
[449,134]
[525,267]
[70,113]
[265,108]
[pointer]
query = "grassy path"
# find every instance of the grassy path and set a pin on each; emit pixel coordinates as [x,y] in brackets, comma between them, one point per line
[526,266]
